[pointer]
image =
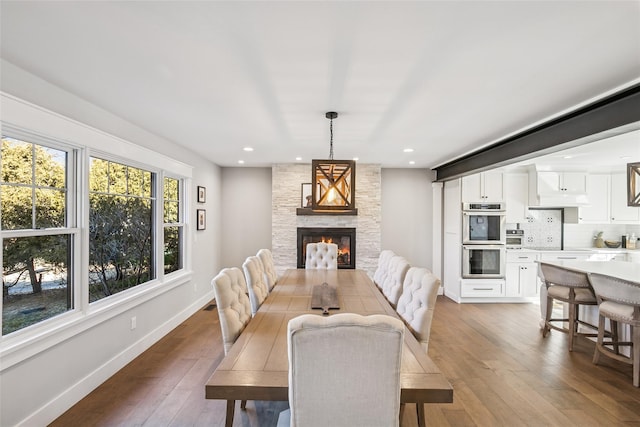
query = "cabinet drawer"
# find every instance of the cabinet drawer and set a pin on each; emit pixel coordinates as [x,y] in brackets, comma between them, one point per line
[482,288]
[521,257]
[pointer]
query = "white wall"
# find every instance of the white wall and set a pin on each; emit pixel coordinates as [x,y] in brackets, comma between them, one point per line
[246,213]
[38,389]
[407,216]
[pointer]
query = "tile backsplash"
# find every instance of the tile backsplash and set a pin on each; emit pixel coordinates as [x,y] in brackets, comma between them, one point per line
[544,229]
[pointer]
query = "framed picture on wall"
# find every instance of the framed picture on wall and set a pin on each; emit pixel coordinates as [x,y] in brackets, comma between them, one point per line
[305,198]
[202,194]
[201,223]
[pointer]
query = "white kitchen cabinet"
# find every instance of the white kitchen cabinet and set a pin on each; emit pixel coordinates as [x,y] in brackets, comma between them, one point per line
[562,182]
[620,212]
[482,288]
[483,187]
[516,191]
[521,274]
[597,212]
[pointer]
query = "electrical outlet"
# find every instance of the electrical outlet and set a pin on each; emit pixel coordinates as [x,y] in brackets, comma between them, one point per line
[133,323]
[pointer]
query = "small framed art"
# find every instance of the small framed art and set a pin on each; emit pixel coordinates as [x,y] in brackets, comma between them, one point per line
[202,194]
[201,219]
[305,198]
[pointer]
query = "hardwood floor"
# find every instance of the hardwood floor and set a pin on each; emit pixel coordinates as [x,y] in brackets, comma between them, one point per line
[502,370]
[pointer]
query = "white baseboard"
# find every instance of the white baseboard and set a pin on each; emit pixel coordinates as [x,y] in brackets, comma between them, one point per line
[57,406]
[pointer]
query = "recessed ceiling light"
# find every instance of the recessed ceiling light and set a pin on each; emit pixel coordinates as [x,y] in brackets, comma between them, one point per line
[408,150]
[412,162]
[241,162]
[248,149]
[355,159]
[298,158]
[568,157]
[625,157]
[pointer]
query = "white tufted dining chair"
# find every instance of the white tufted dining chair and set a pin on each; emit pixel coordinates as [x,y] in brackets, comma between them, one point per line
[344,371]
[234,308]
[258,289]
[383,266]
[392,282]
[417,302]
[321,256]
[270,275]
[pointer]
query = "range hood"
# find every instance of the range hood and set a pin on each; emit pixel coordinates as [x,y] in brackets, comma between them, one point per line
[561,201]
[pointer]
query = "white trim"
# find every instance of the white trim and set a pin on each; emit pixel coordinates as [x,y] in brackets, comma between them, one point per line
[77,391]
[24,115]
[38,338]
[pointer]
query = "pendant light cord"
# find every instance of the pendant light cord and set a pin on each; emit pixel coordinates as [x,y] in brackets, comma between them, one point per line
[331,140]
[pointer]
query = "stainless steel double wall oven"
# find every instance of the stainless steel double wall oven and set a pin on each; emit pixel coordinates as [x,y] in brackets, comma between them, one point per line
[483,240]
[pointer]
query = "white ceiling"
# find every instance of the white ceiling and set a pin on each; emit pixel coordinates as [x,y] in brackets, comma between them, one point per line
[443,78]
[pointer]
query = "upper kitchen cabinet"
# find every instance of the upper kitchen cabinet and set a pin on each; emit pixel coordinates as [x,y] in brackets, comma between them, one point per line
[620,212]
[483,187]
[557,189]
[597,211]
[516,193]
[562,182]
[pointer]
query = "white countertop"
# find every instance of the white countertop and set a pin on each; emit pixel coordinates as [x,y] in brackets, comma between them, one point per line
[623,270]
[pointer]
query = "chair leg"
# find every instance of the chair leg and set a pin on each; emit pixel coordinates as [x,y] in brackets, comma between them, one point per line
[547,316]
[614,336]
[573,314]
[600,340]
[635,351]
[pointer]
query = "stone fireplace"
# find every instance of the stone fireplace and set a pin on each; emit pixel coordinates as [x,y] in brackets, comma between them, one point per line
[345,238]
[286,199]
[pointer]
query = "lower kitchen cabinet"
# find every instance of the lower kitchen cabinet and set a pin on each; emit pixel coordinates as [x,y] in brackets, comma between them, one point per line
[521,275]
[482,288]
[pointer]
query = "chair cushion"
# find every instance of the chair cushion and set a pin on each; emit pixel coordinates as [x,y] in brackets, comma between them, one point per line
[258,289]
[270,275]
[383,266]
[344,370]
[392,283]
[322,256]
[234,308]
[619,312]
[417,302]
[583,295]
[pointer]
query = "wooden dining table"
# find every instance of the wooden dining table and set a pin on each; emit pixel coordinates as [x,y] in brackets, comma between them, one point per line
[256,366]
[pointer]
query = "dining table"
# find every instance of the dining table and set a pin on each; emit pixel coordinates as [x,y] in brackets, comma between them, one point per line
[256,366]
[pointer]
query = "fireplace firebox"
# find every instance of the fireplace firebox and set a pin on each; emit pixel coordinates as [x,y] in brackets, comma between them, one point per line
[345,238]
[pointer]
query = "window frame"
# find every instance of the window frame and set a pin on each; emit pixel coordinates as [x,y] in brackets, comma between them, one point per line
[22,120]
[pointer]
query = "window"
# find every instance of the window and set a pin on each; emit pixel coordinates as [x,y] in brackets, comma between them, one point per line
[173,226]
[121,236]
[37,242]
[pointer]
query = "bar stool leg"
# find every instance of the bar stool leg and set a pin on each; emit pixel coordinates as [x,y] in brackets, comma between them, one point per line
[635,339]
[573,314]
[547,316]
[600,340]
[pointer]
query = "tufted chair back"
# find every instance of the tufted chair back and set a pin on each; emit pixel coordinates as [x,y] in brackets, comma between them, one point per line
[417,302]
[383,266]
[339,366]
[234,308]
[321,256]
[258,289]
[392,282]
[270,275]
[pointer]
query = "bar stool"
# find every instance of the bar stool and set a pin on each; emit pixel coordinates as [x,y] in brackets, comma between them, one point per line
[618,301]
[573,288]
